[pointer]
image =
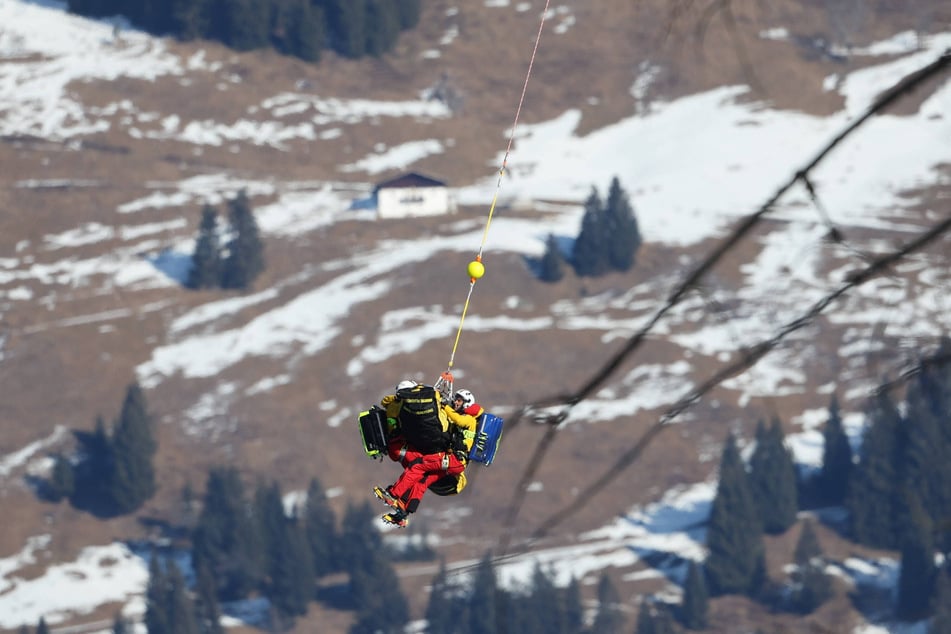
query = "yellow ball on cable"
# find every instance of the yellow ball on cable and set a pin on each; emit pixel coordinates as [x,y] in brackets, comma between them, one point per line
[475,269]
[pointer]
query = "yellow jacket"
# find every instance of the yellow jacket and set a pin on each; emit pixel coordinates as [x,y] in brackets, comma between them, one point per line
[465,421]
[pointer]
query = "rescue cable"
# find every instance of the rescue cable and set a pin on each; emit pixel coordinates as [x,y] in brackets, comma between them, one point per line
[475,268]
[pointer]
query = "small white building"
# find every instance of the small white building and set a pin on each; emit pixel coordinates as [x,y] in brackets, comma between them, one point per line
[413,194]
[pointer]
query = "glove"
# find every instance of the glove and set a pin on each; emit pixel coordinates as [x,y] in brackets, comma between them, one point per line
[386,400]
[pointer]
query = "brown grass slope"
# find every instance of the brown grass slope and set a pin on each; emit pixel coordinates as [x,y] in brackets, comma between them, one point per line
[69,353]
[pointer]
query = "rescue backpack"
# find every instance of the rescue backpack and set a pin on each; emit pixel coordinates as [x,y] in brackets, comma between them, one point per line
[420,421]
[487,439]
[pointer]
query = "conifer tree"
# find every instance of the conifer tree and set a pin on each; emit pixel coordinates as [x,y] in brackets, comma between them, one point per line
[244,260]
[589,255]
[654,618]
[359,540]
[381,606]
[374,586]
[62,480]
[624,237]
[304,31]
[926,469]
[245,23]
[382,26]
[409,11]
[290,576]
[441,613]
[773,479]
[120,625]
[645,620]
[207,609]
[205,271]
[482,600]
[736,561]
[811,585]
[693,612]
[41,627]
[872,500]
[92,474]
[346,26]
[574,609]
[226,538]
[191,18]
[552,262]
[916,578]
[543,604]
[157,619]
[132,480]
[941,604]
[319,524]
[609,619]
[833,479]
[178,604]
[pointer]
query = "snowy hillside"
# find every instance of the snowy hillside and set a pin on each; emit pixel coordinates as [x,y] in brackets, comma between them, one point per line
[109,152]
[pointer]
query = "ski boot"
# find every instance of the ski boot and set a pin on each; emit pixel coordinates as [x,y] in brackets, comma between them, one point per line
[397,518]
[387,498]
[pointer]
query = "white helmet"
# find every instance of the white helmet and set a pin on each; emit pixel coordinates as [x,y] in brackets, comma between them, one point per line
[406,384]
[468,398]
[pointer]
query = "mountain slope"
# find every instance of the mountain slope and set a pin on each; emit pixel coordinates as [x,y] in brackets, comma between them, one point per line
[111,144]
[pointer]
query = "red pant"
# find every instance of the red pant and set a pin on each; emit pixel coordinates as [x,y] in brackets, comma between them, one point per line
[401,452]
[420,472]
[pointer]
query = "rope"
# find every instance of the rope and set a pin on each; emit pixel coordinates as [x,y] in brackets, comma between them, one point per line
[476,268]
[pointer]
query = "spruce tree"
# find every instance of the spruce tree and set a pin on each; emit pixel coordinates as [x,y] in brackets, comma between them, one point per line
[543,604]
[609,619]
[773,479]
[811,585]
[289,570]
[663,620]
[120,625]
[207,609]
[382,26]
[178,604]
[319,524]
[645,620]
[62,480]
[623,234]
[359,539]
[346,26]
[574,609]
[304,31]
[381,605]
[92,474]
[916,577]
[244,259]
[205,271]
[245,23]
[926,469]
[873,498]
[941,604]
[226,538]
[41,627]
[736,562]
[132,480]
[589,255]
[441,614]
[157,618]
[552,262]
[409,11]
[191,18]
[833,479]
[482,599]
[693,611]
